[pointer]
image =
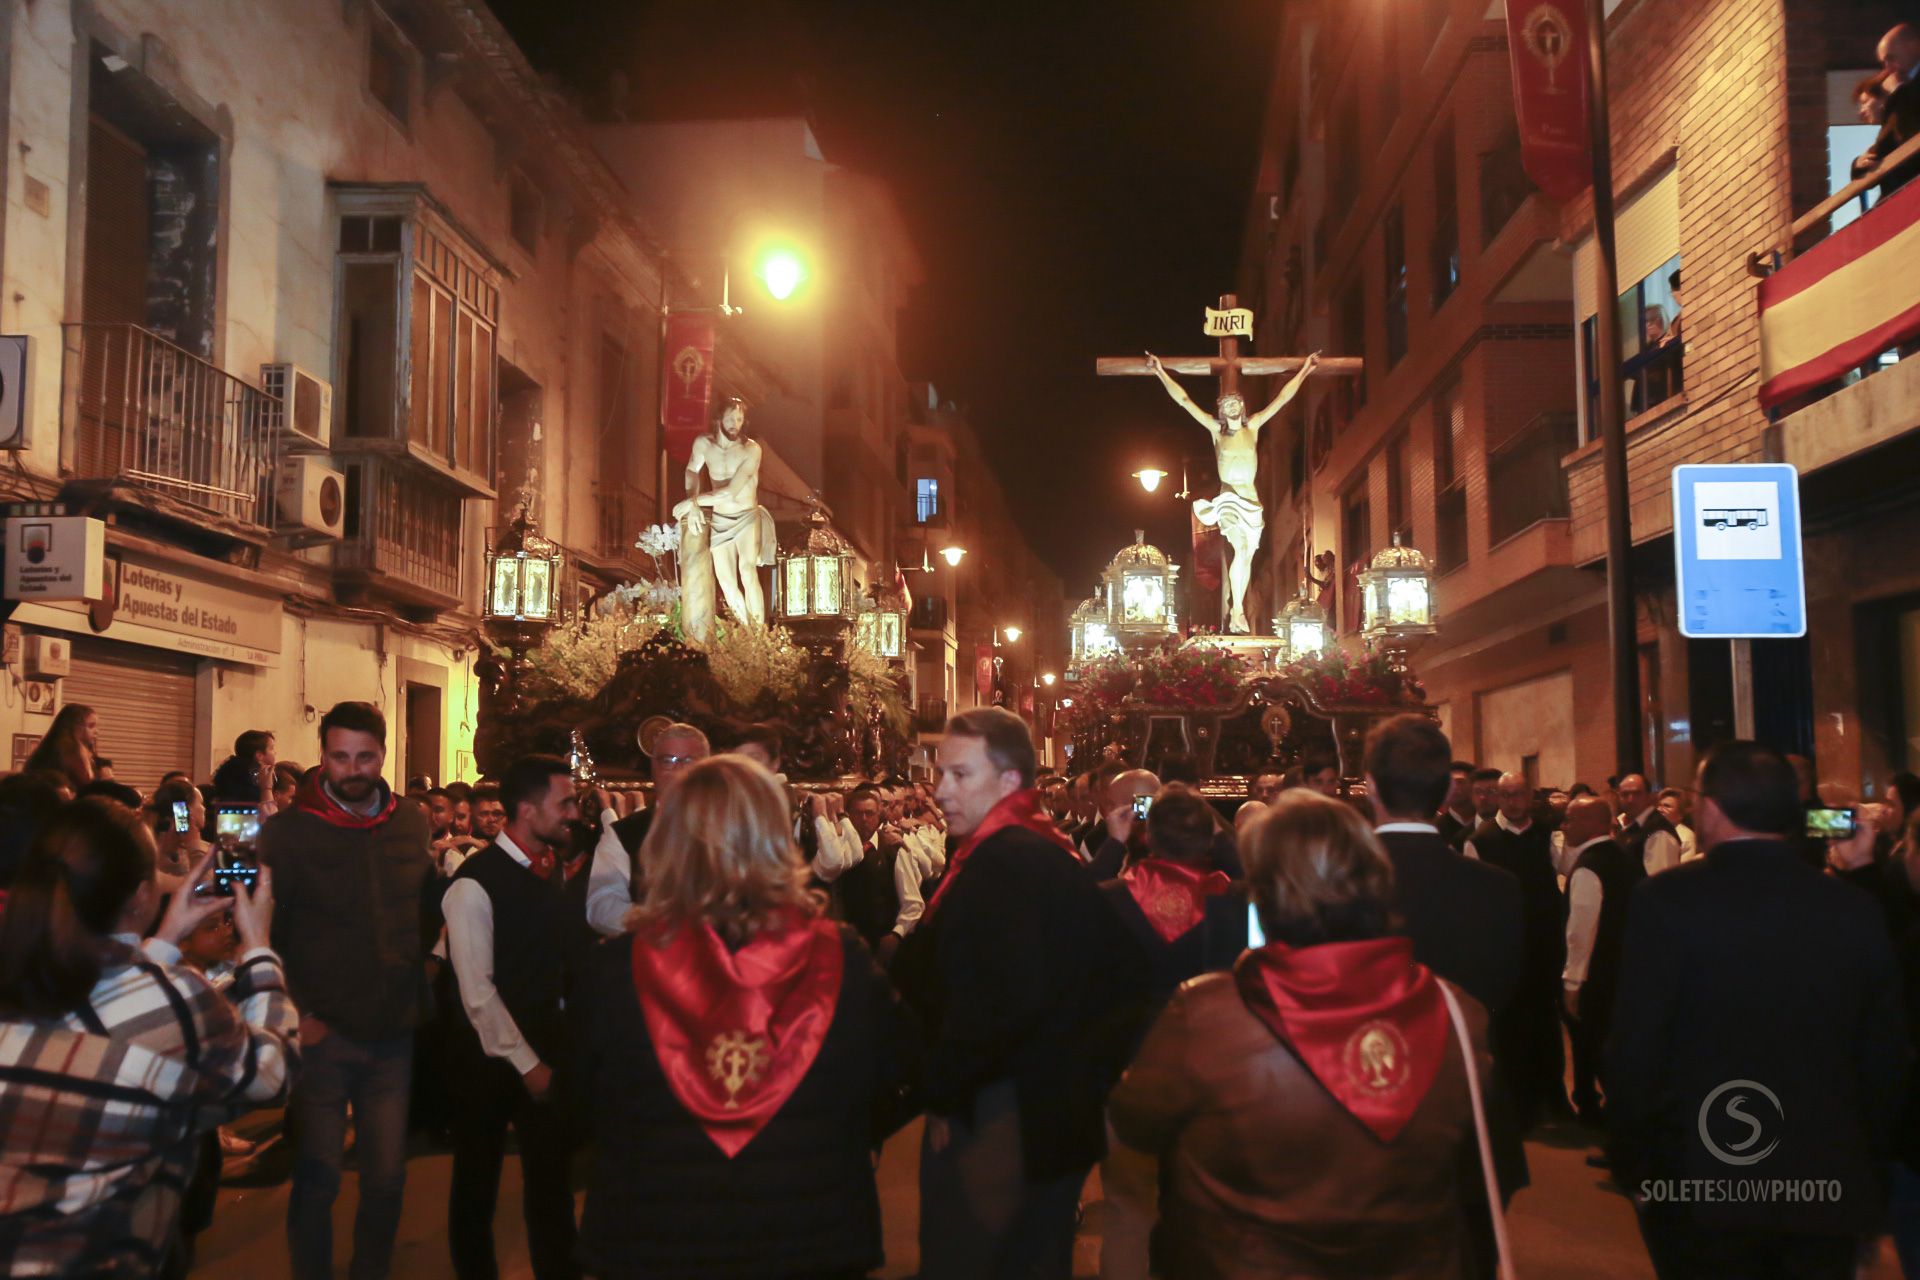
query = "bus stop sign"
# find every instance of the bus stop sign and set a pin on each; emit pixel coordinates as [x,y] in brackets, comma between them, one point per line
[1737,555]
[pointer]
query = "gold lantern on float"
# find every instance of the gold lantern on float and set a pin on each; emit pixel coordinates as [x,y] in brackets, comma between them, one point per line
[1139,583]
[1396,601]
[1301,628]
[813,577]
[881,627]
[522,596]
[1090,632]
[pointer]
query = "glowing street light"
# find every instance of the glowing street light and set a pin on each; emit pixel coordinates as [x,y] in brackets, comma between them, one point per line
[782,271]
[952,555]
[1150,478]
[1011,633]
[1048,679]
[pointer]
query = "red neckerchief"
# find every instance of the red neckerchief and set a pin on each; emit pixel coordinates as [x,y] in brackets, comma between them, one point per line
[313,798]
[1369,1023]
[1172,895]
[1021,809]
[736,1031]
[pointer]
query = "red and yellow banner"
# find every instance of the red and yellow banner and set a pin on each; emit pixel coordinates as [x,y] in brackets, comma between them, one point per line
[1843,302]
[688,373]
[1547,42]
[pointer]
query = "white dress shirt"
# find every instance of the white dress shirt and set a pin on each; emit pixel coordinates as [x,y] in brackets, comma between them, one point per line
[1499,820]
[469,914]
[1662,849]
[838,847]
[1425,828]
[610,883]
[1583,918]
[922,854]
[1689,845]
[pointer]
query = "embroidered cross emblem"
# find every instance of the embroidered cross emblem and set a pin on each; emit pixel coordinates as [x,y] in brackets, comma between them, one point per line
[736,1060]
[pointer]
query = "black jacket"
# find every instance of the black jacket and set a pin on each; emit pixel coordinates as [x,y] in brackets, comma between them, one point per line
[1465,917]
[1618,875]
[1748,966]
[354,911]
[1902,123]
[1211,946]
[1528,858]
[535,924]
[1024,973]
[1110,859]
[664,1201]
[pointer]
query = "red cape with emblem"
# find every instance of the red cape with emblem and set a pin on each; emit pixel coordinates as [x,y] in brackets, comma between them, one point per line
[1172,895]
[736,1031]
[1021,809]
[1369,1023]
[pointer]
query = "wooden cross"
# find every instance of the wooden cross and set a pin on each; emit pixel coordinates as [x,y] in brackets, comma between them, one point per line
[1228,365]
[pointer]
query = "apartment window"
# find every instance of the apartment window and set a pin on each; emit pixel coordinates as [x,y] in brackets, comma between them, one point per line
[1353,342]
[417,323]
[1356,517]
[1450,485]
[389,72]
[1394,237]
[1651,345]
[1444,264]
[1399,491]
[926,499]
[523,212]
[1504,186]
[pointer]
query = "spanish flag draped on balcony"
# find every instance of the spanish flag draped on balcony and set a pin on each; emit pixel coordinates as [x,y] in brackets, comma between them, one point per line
[1843,302]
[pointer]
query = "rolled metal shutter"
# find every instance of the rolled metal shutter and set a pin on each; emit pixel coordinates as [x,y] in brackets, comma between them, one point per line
[145,699]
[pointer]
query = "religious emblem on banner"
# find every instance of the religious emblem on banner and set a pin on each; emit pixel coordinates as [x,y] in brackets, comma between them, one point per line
[1549,39]
[736,1060]
[689,378]
[1377,1058]
[688,364]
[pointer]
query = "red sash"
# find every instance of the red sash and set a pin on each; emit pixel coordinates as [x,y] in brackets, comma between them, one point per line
[736,1031]
[1172,895]
[1021,809]
[1369,1023]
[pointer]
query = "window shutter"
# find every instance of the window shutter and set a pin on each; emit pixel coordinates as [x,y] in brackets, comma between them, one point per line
[1646,234]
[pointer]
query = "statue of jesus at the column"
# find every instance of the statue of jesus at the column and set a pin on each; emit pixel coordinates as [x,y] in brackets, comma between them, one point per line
[1236,510]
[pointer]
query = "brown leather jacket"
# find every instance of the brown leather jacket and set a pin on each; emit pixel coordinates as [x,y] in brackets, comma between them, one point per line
[1264,1174]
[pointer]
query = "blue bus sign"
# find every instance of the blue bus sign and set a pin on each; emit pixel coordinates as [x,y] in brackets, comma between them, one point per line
[1736,546]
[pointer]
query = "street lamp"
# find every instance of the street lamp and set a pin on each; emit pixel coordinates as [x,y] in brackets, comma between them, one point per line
[1150,478]
[782,270]
[1396,601]
[523,575]
[1011,633]
[1048,678]
[952,555]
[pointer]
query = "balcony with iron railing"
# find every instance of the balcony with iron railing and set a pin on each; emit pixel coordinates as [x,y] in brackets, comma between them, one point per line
[929,613]
[402,535]
[1504,187]
[142,411]
[621,510]
[930,716]
[1525,480]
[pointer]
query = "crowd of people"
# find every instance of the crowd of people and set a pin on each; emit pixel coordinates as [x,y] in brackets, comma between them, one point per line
[1300,1034]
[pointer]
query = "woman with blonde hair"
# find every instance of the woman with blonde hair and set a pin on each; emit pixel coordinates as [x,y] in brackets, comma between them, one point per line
[742,1057]
[1310,1110]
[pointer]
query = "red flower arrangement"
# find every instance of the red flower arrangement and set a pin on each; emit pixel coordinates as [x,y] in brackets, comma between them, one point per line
[1332,680]
[1192,679]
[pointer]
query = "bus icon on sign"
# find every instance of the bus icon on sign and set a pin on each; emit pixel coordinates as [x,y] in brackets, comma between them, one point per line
[1734,517]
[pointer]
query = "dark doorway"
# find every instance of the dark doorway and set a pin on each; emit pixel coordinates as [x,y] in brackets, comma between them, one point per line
[423,732]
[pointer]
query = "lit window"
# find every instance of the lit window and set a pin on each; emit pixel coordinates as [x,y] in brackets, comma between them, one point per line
[926,499]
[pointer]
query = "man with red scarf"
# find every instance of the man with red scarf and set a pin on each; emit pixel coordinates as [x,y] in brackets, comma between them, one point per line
[1182,911]
[353,880]
[1025,980]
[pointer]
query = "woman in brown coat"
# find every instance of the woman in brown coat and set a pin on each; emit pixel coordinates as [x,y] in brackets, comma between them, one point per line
[1310,1110]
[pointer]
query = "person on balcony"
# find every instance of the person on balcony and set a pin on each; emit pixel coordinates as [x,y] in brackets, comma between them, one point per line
[1899,54]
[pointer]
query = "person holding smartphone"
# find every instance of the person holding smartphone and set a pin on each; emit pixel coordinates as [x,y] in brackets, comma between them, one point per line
[177,815]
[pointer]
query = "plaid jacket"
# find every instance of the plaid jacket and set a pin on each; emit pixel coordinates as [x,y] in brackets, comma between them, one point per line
[101,1111]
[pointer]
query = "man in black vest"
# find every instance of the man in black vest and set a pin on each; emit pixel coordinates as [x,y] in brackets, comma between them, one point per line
[1466,922]
[1645,833]
[1758,1042]
[610,888]
[1527,1035]
[509,926]
[1457,817]
[1598,885]
[866,894]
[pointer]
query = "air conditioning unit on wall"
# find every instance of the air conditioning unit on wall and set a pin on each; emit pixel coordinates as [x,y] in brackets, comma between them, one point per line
[303,405]
[311,497]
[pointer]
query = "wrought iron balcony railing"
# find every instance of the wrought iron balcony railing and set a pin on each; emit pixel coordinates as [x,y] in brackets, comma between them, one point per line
[402,528]
[931,715]
[139,408]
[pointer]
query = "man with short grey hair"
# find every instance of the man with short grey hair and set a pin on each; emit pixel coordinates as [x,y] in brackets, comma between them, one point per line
[610,886]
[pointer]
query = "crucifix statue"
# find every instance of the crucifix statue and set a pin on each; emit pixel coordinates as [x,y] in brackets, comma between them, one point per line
[1236,509]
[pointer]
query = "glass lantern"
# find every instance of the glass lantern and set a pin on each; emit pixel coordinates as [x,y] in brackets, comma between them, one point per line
[1396,601]
[1140,585]
[814,578]
[1092,632]
[523,576]
[882,625]
[1302,627]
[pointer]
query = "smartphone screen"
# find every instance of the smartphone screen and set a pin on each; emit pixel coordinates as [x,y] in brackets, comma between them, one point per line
[1141,804]
[229,869]
[1256,936]
[1831,824]
[237,825]
[182,817]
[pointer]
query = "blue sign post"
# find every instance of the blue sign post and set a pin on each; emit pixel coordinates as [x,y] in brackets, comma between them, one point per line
[1736,547]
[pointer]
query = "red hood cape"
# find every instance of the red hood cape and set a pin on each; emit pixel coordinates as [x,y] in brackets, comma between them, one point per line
[1369,1023]
[1021,809]
[736,1031]
[313,798]
[1172,895]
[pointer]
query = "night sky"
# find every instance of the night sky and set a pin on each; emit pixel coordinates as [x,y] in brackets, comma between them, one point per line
[1075,175]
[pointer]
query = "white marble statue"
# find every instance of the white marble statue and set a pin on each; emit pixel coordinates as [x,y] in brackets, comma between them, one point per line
[725,534]
[1236,510]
